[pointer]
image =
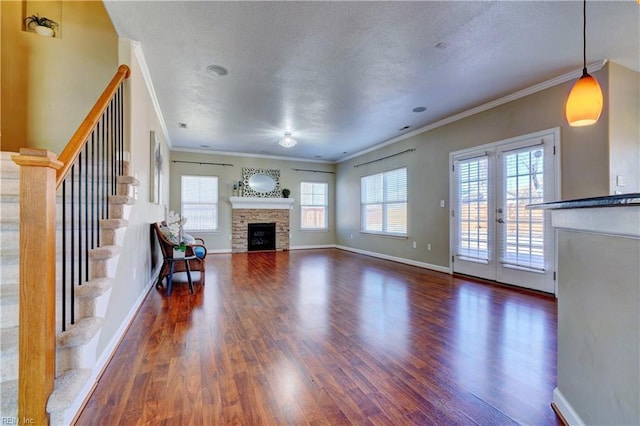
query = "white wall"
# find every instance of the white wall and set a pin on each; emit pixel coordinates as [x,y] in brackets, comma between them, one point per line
[135,267]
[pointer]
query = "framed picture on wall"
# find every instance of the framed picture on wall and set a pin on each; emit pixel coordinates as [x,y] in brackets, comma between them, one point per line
[155,177]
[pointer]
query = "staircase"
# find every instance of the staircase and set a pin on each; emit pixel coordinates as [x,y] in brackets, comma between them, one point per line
[9,269]
[76,346]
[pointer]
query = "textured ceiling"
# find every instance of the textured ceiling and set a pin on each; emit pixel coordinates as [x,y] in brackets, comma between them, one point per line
[345,76]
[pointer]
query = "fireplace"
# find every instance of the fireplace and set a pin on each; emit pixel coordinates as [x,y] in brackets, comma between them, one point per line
[253,210]
[261,236]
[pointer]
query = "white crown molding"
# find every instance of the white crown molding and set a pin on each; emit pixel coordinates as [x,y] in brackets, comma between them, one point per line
[242,154]
[136,48]
[572,75]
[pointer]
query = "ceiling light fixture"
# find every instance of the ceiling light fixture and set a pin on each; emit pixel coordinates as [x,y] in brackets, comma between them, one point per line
[287,141]
[584,104]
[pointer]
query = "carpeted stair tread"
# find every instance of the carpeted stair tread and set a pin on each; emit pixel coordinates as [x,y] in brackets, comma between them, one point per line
[104,252]
[9,294]
[9,340]
[128,180]
[67,387]
[79,333]
[9,399]
[94,288]
[113,223]
[121,199]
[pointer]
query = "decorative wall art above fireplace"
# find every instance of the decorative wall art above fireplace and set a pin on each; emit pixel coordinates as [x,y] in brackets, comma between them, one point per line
[263,183]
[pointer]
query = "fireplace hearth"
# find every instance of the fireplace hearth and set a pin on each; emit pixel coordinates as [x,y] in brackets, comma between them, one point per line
[261,236]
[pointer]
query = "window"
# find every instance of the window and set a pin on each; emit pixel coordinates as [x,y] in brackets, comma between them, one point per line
[472,211]
[199,197]
[313,205]
[384,202]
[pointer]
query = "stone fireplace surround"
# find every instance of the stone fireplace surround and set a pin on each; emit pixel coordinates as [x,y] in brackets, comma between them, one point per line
[248,210]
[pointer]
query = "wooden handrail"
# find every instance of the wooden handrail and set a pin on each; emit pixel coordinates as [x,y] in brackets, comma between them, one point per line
[76,143]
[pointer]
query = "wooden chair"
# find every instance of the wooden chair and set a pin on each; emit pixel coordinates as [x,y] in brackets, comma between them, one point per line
[193,260]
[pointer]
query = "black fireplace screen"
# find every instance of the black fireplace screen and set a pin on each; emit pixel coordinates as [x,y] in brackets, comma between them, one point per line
[262,236]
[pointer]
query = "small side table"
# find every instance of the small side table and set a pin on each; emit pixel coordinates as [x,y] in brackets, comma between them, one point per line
[179,256]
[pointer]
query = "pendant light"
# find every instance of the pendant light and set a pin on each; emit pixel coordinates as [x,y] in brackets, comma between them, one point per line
[584,104]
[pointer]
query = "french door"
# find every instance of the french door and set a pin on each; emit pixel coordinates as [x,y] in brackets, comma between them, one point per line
[494,235]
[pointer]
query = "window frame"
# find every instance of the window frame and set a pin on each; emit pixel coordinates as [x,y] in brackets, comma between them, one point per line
[215,204]
[384,204]
[325,206]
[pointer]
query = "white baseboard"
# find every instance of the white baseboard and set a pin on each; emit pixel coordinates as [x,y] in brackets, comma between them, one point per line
[425,265]
[320,246]
[567,411]
[72,412]
[218,251]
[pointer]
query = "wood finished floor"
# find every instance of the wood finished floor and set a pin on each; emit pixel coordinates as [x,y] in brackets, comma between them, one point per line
[332,337]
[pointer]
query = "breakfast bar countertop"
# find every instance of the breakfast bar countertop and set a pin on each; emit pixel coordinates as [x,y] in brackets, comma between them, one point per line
[617,200]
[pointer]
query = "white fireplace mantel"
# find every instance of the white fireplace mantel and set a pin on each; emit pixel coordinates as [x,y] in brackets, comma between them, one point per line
[261,203]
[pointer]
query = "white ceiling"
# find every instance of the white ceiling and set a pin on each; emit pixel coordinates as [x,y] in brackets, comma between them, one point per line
[345,76]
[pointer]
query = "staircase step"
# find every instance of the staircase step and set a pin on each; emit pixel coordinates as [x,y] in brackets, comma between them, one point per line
[67,387]
[94,288]
[9,354]
[9,305]
[9,399]
[113,223]
[127,180]
[121,199]
[104,252]
[79,333]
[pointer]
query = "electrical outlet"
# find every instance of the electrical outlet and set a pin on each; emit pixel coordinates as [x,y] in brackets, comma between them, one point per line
[415,245]
[428,247]
[442,203]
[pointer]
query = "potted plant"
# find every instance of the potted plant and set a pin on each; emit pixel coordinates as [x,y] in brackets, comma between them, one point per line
[43,26]
[286,192]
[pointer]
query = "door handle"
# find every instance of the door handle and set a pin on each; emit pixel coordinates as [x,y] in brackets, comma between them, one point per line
[500,220]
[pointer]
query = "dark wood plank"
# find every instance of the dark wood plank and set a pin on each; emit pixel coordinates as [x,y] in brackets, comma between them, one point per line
[328,337]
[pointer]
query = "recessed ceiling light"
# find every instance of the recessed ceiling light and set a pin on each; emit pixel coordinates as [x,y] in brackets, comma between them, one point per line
[217,70]
[404,128]
[419,109]
[441,45]
[182,125]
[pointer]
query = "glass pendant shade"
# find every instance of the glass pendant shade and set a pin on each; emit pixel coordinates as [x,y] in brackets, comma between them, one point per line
[585,101]
[287,141]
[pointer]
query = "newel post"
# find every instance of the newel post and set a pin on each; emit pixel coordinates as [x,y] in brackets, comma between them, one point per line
[37,336]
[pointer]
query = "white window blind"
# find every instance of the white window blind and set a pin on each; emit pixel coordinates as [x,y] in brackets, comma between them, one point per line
[472,178]
[523,241]
[199,202]
[313,205]
[384,202]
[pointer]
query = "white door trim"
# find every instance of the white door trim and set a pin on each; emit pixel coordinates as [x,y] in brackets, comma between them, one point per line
[554,132]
